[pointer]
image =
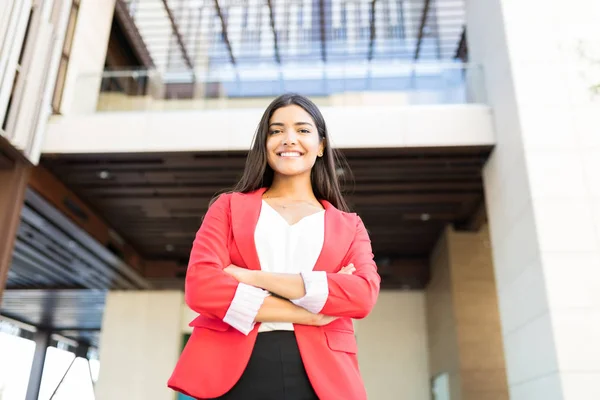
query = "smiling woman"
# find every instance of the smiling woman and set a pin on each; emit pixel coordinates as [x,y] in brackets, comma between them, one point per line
[293,123]
[289,140]
[278,270]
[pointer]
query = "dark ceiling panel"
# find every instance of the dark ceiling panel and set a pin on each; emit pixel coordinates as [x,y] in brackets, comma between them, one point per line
[156,201]
[52,253]
[76,314]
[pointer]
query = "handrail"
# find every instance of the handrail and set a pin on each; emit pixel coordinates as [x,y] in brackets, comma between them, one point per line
[406,82]
[200,74]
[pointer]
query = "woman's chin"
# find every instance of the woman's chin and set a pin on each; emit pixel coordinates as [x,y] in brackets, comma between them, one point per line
[291,172]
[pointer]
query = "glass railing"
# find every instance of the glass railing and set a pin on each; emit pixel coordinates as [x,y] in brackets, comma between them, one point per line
[386,84]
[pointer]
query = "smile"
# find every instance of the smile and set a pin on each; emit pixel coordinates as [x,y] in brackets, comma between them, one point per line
[290,154]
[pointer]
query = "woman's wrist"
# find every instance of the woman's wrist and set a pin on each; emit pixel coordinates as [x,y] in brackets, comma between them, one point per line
[306,317]
[253,278]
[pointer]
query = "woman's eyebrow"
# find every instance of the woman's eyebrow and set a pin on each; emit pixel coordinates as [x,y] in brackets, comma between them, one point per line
[297,123]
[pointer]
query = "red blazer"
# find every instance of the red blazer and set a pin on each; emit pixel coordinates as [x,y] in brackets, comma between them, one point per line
[216,354]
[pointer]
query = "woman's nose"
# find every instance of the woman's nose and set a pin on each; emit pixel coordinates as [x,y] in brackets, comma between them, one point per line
[290,138]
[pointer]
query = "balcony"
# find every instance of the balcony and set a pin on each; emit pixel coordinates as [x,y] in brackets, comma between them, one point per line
[385,84]
[397,104]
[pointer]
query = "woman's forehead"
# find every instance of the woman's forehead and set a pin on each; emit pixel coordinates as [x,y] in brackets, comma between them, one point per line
[291,113]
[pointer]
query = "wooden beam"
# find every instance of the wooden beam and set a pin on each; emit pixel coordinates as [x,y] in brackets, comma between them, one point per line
[422,28]
[13,182]
[164,269]
[224,30]
[403,273]
[57,194]
[272,20]
[177,33]
[6,162]
[398,273]
[174,189]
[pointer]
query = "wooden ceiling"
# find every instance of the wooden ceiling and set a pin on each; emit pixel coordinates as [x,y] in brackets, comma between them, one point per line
[51,252]
[405,197]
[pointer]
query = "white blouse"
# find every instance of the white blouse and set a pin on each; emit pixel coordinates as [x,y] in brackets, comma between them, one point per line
[282,248]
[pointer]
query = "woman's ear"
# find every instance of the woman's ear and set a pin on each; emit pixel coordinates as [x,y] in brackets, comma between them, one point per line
[322,147]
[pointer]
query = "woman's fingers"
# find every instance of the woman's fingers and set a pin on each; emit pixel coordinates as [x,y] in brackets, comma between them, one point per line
[322,320]
[348,269]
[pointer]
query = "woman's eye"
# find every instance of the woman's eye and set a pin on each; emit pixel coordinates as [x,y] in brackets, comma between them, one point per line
[304,131]
[274,132]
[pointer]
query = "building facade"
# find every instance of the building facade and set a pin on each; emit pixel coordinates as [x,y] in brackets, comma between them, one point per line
[472,134]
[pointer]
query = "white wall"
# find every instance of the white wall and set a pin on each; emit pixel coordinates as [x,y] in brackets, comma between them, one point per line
[86,63]
[392,347]
[139,345]
[232,129]
[542,189]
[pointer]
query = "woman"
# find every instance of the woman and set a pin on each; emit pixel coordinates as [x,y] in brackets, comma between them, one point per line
[277,271]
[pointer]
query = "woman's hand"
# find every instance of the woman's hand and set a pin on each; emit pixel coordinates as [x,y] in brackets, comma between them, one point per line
[242,275]
[322,320]
[348,269]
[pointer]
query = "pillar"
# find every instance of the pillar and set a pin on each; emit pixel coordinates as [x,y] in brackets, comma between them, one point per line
[42,341]
[542,189]
[140,344]
[13,182]
[88,55]
[464,334]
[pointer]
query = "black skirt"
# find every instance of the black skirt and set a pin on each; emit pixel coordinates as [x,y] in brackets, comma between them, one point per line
[274,372]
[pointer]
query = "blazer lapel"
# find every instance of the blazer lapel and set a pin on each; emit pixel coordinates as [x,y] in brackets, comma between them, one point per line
[245,210]
[339,234]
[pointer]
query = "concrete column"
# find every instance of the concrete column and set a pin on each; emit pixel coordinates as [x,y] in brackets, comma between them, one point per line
[464,334]
[88,54]
[13,182]
[542,189]
[139,345]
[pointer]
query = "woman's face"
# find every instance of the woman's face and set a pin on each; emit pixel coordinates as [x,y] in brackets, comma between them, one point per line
[292,141]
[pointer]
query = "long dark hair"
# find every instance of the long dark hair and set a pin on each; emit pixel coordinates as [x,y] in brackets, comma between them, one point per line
[324,175]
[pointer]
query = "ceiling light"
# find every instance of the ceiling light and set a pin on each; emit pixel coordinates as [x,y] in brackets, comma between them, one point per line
[104,174]
[169,247]
[425,217]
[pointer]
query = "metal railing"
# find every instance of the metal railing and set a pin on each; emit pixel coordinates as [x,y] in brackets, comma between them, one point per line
[391,83]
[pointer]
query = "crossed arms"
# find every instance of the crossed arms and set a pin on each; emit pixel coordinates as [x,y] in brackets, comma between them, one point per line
[241,297]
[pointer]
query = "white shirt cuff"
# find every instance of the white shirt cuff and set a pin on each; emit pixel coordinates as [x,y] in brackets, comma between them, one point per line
[244,307]
[317,291]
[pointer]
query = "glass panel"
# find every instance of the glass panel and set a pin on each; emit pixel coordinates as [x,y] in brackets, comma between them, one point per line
[76,384]
[382,82]
[60,84]
[70,30]
[15,364]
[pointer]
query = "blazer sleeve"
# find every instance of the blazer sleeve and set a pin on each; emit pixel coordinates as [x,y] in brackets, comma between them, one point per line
[208,289]
[354,296]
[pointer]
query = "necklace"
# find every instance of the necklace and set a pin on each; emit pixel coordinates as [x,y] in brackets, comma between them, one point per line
[292,203]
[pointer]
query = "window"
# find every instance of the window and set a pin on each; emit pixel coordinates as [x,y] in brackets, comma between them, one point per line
[15,362]
[64,59]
